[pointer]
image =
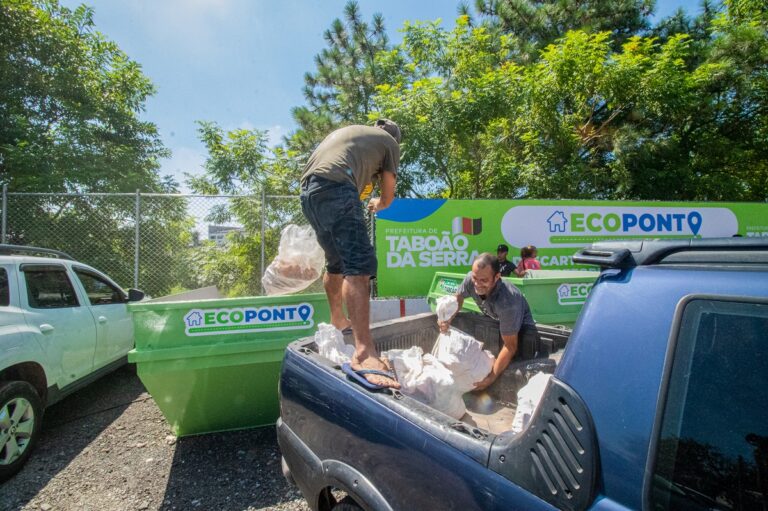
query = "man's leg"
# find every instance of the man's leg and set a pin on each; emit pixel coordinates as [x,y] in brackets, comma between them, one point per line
[356,293]
[344,238]
[333,283]
[319,210]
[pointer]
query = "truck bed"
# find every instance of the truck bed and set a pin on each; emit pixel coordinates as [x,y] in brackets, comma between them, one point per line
[493,410]
[327,423]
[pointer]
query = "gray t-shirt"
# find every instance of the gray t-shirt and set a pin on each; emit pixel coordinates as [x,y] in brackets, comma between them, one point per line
[356,154]
[504,303]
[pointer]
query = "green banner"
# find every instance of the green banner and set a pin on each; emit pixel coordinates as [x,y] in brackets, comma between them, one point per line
[417,237]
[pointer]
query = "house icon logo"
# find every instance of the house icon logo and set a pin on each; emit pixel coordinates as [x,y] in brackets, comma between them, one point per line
[194,318]
[557,222]
[573,294]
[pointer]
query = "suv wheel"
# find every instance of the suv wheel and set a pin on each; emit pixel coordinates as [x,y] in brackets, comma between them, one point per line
[21,413]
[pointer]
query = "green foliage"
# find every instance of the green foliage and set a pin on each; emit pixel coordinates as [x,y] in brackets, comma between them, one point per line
[69,105]
[240,163]
[340,91]
[538,23]
[679,117]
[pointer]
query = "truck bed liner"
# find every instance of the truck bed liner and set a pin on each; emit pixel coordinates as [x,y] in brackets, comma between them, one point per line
[494,410]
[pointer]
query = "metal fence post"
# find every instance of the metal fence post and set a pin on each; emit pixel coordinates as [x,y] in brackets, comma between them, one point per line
[5,213]
[263,231]
[372,234]
[137,216]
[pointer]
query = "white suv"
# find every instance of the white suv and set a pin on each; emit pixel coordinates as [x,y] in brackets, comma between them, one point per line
[63,324]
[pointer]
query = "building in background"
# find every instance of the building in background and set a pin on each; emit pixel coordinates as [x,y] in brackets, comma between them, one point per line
[218,233]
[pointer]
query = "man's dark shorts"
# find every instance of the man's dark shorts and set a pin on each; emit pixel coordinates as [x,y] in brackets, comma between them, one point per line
[336,214]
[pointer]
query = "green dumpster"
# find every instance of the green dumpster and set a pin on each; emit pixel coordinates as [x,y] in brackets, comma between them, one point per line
[555,296]
[214,365]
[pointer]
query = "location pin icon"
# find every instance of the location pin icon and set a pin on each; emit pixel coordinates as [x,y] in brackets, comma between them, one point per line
[694,222]
[304,312]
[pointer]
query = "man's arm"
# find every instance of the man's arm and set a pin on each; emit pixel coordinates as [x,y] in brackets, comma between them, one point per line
[506,354]
[387,189]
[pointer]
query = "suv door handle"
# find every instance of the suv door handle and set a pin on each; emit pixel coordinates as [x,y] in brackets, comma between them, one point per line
[102,319]
[46,328]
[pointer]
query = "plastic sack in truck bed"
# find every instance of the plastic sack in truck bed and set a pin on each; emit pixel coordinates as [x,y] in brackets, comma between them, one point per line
[441,379]
[299,262]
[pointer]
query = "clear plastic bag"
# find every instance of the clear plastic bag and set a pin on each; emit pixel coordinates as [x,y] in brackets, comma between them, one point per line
[299,262]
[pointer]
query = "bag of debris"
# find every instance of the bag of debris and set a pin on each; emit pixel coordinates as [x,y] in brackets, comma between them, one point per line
[528,399]
[446,307]
[330,344]
[425,379]
[299,262]
[465,357]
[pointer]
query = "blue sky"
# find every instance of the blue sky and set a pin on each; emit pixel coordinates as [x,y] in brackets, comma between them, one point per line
[240,63]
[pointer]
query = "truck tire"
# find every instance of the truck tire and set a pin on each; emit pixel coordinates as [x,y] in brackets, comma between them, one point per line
[347,504]
[21,413]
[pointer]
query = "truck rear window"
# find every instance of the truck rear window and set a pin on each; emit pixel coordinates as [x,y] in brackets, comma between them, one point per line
[713,448]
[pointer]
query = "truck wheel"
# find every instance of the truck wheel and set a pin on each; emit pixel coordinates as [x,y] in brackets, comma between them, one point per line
[347,504]
[21,413]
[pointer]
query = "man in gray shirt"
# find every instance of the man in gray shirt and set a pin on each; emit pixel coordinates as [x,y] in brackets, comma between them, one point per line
[340,173]
[501,301]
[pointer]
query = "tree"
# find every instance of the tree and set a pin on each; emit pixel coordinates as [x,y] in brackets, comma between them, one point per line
[240,163]
[452,97]
[538,23]
[341,89]
[69,105]
[657,119]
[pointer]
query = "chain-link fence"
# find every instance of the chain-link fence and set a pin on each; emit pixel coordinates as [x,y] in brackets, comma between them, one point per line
[163,244]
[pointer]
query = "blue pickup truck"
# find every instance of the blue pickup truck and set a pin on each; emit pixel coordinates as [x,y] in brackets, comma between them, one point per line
[659,401]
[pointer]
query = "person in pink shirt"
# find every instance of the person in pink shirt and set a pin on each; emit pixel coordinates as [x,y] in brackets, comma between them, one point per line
[528,260]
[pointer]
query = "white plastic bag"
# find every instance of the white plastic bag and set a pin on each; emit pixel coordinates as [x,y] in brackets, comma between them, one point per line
[424,378]
[465,357]
[528,399]
[330,344]
[446,307]
[298,264]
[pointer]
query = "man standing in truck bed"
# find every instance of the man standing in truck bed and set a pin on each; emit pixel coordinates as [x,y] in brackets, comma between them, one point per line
[339,174]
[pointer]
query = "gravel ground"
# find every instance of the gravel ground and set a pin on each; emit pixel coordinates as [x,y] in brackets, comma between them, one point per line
[108,447]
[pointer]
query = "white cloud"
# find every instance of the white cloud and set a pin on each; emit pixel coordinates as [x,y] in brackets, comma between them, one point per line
[183,160]
[246,125]
[276,134]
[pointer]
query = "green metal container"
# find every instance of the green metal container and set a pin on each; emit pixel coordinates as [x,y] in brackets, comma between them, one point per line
[214,365]
[555,296]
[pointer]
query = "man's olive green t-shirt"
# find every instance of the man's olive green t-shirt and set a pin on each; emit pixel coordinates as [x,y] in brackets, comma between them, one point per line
[356,154]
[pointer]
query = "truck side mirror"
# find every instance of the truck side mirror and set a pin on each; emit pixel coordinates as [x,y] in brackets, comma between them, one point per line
[135,295]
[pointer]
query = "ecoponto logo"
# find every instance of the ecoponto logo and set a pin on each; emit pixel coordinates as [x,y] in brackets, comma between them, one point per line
[577,226]
[573,294]
[449,285]
[249,319]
